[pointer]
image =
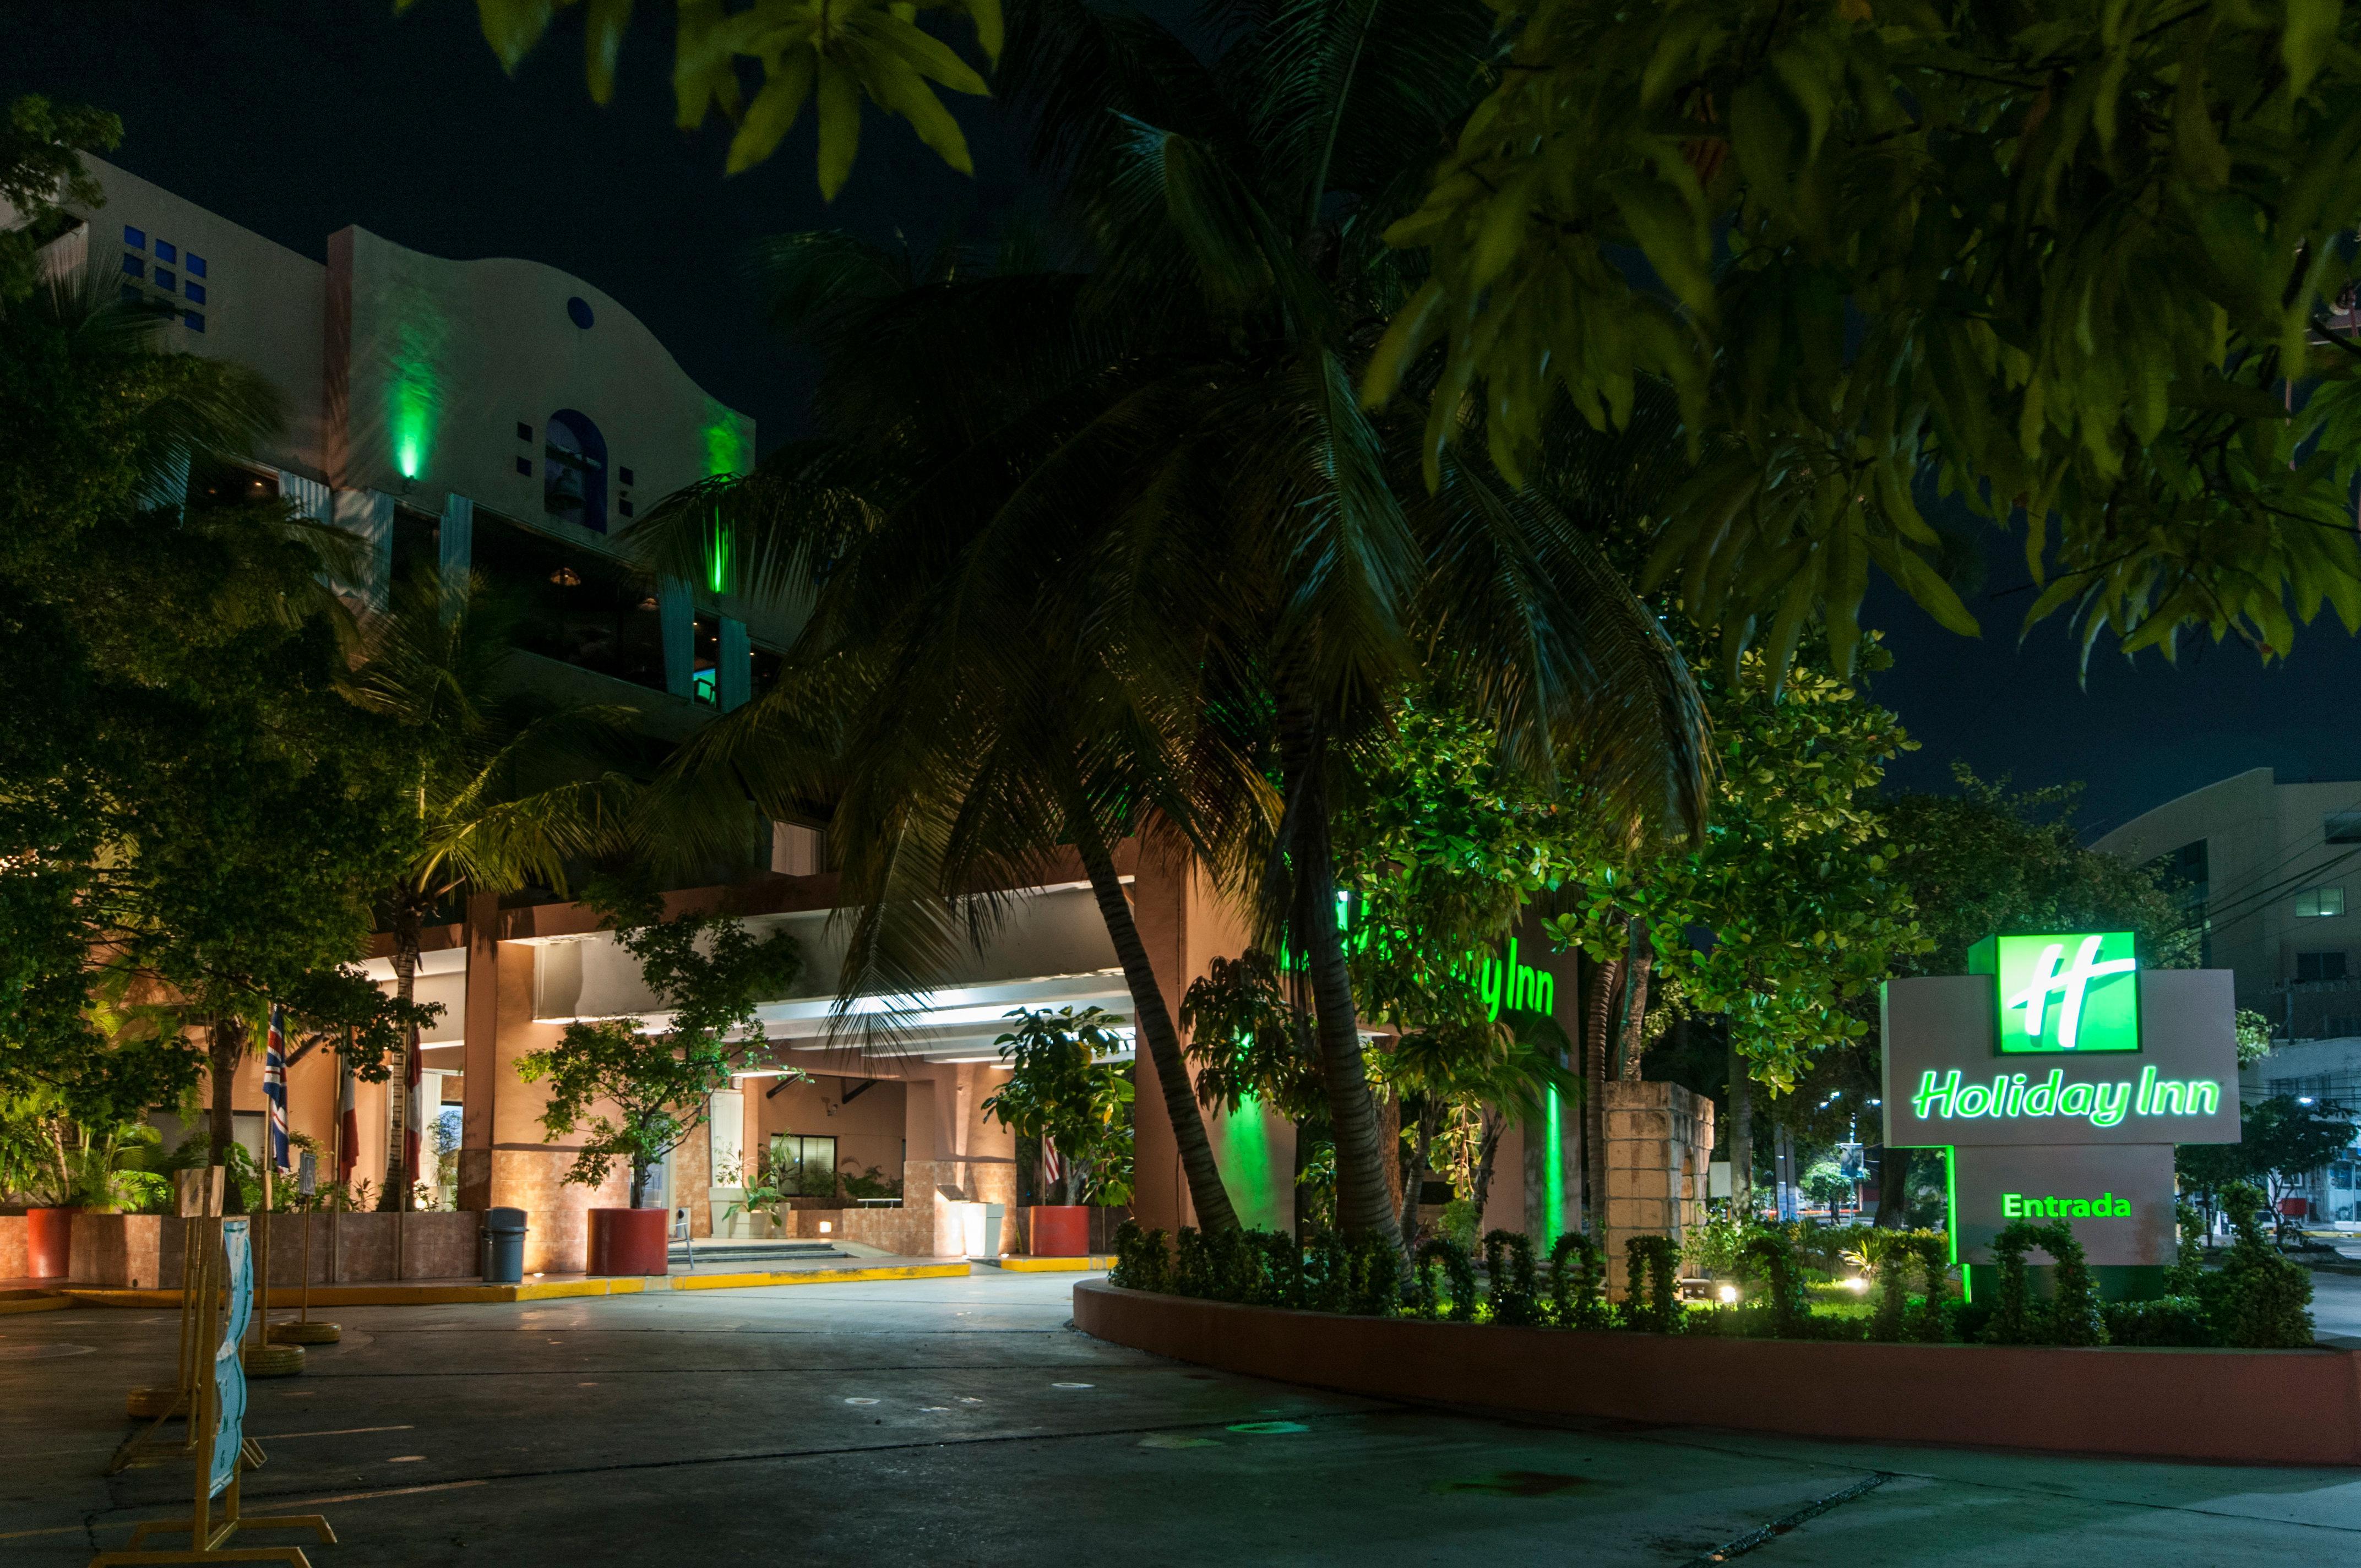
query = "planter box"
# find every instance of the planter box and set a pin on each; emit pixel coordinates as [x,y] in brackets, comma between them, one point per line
[12,1246]
[2248,1407]
[49,1242]
[1057,1229]
[145,1250]
[630,1241]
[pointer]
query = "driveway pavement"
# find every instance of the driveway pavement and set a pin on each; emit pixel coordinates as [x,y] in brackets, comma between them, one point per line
[960,1421]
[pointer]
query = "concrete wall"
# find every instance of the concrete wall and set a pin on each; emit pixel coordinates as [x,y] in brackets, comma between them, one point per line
[1659,1143]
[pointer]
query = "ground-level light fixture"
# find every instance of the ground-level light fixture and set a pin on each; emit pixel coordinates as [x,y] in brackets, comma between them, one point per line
[1856,1285]
[826,1227]
[1729,1293]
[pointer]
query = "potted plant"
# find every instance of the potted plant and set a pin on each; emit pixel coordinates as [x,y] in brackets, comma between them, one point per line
[1062,1090]
[763,1202]
[707,974]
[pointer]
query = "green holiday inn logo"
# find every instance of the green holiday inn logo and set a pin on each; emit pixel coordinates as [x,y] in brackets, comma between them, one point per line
[2063,992]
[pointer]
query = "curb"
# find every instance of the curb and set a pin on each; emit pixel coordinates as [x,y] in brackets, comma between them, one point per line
[1092,1265]
[34,1304]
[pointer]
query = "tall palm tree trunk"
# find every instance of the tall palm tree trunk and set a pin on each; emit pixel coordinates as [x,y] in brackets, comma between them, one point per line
[1158,1036]
[1635,1002]
[1603,978]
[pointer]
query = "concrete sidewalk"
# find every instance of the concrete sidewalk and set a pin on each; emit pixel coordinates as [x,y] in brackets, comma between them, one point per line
[958,1421]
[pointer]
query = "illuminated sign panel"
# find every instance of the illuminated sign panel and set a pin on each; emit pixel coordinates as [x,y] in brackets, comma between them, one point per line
[2065,991]
[2124,1064]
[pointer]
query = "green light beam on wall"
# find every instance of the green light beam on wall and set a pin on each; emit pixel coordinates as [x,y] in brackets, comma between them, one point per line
[414,390]
[1247,1140]
[1553,1182]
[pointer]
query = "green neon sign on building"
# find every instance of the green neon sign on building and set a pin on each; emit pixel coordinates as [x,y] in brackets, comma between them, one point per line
[2063,992]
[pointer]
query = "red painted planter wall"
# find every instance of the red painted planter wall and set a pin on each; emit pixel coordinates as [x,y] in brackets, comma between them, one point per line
[2261,1407]
[630,1241]
[1059,1230]
[49,1242]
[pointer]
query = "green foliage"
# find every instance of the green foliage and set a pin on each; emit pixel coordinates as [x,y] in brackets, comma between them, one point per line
[1771,1255]
[2254,1037]
[1578,1283]
[1508,1272]
[191,806]
[1457,1269]
[1248,1041]
[1992,858]
[2173,1320]
[1059,1090]
[708,973]
[1893,1253]
[2281,1140]
[1793,877]
[39,173]
[2060,256]
[829,53]
[1653,1267]
[1143,1261]
[2259,1300]
[2070,1316]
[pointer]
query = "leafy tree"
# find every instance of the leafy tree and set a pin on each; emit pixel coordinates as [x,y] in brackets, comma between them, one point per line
[1988,858]
[832,54]
[2063,260]
[2284,1140]
[39,173]
[1789,910]
[499,791]
[1062,1091]
[181,781]
[709,974]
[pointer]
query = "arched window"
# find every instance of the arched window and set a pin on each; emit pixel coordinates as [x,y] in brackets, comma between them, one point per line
[573,471]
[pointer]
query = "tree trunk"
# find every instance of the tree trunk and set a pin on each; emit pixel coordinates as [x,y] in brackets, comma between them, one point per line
[1157,1035]
[397,1087]
[1413,1168]
[1362,1205]
[1364,1201]
[224,1049]
[1491,1124]
[1603,979]
[1741,1135]
[1892,1187]
[1635,1005]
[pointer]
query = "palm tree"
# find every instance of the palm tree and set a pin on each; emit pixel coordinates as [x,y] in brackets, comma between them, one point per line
[1152,480]
[502,792]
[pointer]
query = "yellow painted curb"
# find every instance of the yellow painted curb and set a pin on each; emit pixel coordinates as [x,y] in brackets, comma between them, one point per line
[37,1304]
[819,1276]
[1054,1265]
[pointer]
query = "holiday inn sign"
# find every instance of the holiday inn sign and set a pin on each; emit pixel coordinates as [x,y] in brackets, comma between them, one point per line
[2127,1063]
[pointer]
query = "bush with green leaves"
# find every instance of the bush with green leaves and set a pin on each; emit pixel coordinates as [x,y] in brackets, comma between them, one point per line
[1461,1305]
[1772,1258]
[1513,1294]
[1894,1254]
[1578,1283]
[2259,1300]
[1652,1302]
[2070,1316]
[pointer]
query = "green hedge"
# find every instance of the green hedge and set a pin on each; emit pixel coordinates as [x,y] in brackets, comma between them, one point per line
[2258,1299]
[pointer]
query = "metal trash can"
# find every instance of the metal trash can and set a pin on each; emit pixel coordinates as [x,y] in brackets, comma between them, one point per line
[504,1246]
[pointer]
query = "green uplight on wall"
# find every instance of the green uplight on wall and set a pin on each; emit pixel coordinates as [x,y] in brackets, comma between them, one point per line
[725,442]
[414,390]
[405,458]
[719,546]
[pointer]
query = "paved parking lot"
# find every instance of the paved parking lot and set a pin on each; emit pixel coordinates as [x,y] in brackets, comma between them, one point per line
[960,1421]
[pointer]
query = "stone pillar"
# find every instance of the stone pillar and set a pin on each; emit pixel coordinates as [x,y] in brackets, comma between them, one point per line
[1659,1145]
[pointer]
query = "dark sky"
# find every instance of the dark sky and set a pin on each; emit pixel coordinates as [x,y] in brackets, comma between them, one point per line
[295,117]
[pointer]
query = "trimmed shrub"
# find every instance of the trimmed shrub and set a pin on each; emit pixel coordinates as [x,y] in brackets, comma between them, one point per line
[1578,1283]
[2259,1301]
[1650,1303]
[1457,1269]
[1514,1293]
[2165,1321]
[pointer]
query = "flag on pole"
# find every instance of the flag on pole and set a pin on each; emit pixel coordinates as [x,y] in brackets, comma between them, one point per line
[274,1084]
[349,1118]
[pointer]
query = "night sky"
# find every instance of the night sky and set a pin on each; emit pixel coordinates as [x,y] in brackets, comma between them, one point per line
[296,117]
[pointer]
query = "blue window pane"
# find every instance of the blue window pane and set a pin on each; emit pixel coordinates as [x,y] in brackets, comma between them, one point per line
[164,251]
[133,266]
[195,291]
[524,466]
[135,238]
[623,507]
[164,279]
[193,321]
[193,265]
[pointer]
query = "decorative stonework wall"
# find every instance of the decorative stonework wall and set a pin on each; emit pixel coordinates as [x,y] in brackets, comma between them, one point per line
[1659,1143]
